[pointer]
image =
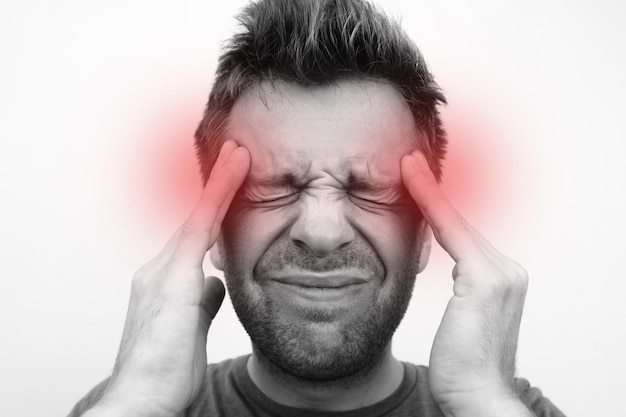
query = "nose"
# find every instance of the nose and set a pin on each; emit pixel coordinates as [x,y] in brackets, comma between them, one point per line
[322,226]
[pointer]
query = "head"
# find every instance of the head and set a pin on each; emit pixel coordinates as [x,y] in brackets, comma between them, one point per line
[322,243]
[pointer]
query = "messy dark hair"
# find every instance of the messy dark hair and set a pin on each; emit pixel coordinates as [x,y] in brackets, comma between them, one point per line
[317,43]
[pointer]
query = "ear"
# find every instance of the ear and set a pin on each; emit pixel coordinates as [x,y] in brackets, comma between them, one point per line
[424,251]
[216,257]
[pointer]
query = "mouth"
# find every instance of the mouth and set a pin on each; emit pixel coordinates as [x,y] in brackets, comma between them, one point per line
[318,289]
[322,280]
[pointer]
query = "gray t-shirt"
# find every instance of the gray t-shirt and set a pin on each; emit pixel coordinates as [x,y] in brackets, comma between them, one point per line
[228,390]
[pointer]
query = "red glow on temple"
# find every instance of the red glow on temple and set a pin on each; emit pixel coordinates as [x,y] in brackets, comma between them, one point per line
[167,181]
[167,173]
[474,171]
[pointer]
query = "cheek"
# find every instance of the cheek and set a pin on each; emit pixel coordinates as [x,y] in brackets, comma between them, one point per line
[247,233]
[394,236]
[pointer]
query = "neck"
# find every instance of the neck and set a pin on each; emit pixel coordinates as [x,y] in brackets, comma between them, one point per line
[367,387]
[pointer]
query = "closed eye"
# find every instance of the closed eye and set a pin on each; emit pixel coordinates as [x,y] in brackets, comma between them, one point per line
[369,201]
[275,201]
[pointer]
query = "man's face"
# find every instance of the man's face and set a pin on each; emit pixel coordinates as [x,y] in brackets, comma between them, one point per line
[321,245]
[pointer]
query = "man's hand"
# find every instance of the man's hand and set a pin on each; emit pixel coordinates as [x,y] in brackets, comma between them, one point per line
[472,361]
[162,358]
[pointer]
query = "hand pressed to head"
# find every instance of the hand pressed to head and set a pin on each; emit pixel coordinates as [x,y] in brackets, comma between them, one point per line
[321,203]
[317,207]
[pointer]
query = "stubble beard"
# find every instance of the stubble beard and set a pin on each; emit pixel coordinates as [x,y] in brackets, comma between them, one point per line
[357,342]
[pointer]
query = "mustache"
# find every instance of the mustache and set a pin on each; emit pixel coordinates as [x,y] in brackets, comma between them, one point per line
[288,255]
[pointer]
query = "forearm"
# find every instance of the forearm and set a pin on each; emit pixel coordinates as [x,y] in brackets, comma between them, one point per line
[496,409]
[120,409]
[492,405]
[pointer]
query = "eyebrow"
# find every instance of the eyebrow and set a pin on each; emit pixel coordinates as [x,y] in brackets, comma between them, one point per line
[371,184]
[288,180]
[271,181]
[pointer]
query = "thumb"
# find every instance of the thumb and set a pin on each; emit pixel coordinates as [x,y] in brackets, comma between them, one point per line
[212,297]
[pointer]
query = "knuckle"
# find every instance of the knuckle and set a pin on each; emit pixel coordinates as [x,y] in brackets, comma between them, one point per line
[140,281]
[145,277]
[522,274]
[516,272]
[510,269]
[515,277]
[506,276]
[186,229]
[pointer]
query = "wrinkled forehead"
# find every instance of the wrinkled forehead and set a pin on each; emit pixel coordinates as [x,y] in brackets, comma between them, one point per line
[351,128]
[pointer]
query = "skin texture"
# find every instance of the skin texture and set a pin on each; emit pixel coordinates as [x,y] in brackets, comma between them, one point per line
[472,361]
[327,142]
[162,358]
[321,221]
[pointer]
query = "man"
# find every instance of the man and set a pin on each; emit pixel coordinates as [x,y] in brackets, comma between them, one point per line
[321,149]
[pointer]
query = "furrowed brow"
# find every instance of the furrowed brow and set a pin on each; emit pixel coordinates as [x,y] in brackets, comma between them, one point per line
[372,185]
[279,181]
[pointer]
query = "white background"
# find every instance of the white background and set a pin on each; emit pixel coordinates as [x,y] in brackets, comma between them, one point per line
[88,90]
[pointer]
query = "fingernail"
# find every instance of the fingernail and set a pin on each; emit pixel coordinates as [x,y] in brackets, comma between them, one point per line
[420,161]
[237,157]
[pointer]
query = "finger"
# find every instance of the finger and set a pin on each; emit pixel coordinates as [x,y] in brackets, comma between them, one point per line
[201,229]
[212,297]
[450,229]
[226,178]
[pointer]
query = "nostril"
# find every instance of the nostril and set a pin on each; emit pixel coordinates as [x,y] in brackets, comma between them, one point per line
[300,244]
[322,242]
[321,228]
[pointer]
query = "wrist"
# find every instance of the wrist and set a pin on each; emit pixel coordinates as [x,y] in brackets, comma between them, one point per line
[512,409]
[488,406]
[108,410]
[122,406]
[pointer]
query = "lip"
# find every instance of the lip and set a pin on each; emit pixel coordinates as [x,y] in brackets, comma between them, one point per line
[313,280]
[330,290]
[317,297]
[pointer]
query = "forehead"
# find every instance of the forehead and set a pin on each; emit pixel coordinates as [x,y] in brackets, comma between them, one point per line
[352,127]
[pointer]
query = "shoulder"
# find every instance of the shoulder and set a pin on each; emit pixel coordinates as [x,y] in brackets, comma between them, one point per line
[227,368]
[222,388]
[420,397]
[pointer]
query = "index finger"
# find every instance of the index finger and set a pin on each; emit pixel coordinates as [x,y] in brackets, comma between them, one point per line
[201,229]
[450,229]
